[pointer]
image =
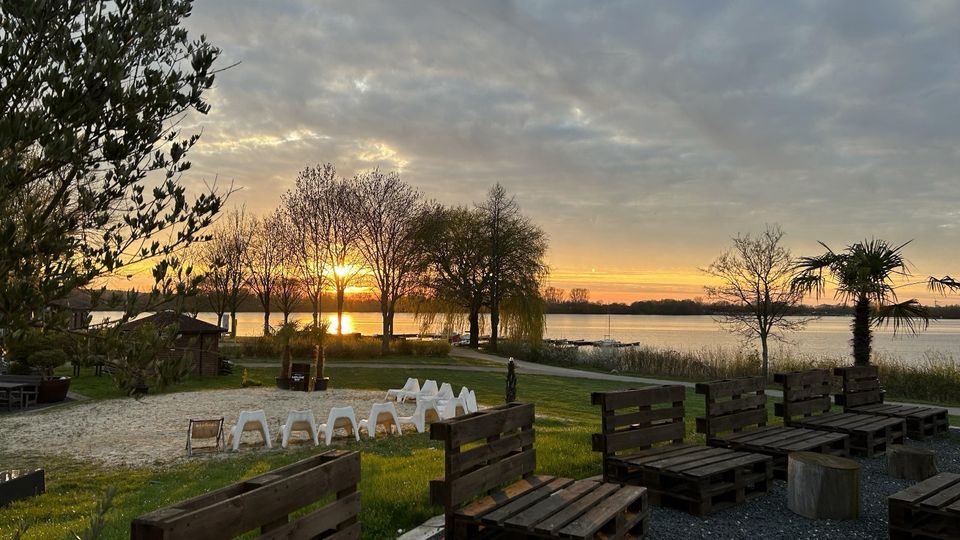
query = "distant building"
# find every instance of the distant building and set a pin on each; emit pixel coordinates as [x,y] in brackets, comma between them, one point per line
[78,308]
[201,338]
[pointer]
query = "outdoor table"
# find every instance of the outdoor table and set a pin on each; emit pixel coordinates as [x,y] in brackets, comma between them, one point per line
[8,388]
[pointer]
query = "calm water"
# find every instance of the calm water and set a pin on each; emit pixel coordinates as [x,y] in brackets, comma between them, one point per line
[829,336]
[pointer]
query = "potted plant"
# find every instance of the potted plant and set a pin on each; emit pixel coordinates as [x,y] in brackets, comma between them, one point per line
[39,352]
[284,334]
[51,389]
[319,334]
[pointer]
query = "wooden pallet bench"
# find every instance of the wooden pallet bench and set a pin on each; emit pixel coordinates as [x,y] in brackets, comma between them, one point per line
[698,479]
[736,418]
[265,502]
[863,394]
[928,510]
[806,404]
[493,448]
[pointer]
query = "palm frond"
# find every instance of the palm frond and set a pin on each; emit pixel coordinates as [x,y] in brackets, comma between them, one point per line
[943,285]
[908,314]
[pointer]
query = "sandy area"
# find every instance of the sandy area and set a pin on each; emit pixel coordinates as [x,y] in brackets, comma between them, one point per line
[153,429]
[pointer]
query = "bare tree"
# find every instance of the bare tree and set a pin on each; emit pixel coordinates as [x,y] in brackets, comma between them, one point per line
[222,258]
[554,295]
[755,278]
[264,260]
[388,212]
[579,295]
[345,258]
[306,209]
[289,292]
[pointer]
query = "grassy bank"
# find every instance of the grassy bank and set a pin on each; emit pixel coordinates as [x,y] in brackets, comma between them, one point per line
[935,379]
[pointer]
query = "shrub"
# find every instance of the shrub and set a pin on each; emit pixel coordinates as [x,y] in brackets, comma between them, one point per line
[246,381]
[47,360]
[421,347]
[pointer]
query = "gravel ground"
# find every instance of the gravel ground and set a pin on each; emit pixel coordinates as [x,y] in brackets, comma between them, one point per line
[769,517]
[153,430]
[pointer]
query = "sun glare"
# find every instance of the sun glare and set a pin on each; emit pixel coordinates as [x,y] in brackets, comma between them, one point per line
[347,324]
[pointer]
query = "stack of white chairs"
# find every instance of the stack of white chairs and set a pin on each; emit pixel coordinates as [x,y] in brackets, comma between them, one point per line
[381,414]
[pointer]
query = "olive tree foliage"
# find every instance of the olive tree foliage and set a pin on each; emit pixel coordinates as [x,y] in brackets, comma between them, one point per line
[223,260]
[309,222]
[91,93]
[755,278]
[264,259]
[388,213]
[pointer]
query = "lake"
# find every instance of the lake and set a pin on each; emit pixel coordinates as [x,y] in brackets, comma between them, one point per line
[828,336]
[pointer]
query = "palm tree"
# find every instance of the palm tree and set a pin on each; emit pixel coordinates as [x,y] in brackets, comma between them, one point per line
[864,273]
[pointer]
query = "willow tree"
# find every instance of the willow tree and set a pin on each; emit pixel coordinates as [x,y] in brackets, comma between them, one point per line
[388,213]
[91,153]
[865,273]
[755,277]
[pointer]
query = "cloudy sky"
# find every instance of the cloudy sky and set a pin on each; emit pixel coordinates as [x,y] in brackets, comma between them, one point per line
[640,135]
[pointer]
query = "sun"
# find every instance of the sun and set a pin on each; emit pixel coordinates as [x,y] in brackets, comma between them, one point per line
[347,324]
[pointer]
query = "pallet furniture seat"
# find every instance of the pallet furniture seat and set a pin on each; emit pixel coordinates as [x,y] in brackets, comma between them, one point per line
[927,510]
[250,421]
[381,414]
[411,386]
[302,421]
[642,444]
[863,394]
[205,430]
[340,418]
[736,418]
[265,503]
[489,489]
[806,404]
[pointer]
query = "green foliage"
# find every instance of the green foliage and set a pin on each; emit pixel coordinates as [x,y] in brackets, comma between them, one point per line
[97,522]
[47,360]
[146,356]
[39,350]
[421,347]
[93,93]
[248,381]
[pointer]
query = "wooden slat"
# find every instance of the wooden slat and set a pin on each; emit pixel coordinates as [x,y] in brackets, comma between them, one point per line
[728,422]
[861,385]
[944,497]
[596,517]
[525,501]
[571,511]
[926,488]
[646,417]
[641,437]
[861,398]
[808,377]
[546,508]
[468,486]
[351,532]
[495,499]
[753,401]
[500,448]
[855,372]
[641,397]
[322,519]
[480,425]
[729,387]
[799,408]
[740,459]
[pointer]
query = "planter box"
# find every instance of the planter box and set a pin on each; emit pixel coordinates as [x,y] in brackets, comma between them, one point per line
[20,484]
[53,390]
[320,383]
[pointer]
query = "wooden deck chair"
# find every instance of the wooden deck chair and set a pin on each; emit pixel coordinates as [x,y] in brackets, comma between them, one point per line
[205,429]
[862,394]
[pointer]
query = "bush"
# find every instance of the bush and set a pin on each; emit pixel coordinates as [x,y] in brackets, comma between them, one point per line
[421,347]
[246,381]
[38,351]
[47,360]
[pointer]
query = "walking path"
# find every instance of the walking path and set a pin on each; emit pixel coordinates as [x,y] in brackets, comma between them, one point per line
[530,368]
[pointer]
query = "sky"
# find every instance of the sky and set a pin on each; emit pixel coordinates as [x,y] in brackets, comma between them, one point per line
[641,136]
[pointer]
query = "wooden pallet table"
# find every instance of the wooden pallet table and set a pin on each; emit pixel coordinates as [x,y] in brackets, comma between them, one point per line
[929,510]
[863,394]
[806,404]
[698,479]
[493,447]
[736,418]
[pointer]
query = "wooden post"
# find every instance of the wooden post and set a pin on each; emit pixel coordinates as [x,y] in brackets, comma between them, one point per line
[911,463]
[821,486]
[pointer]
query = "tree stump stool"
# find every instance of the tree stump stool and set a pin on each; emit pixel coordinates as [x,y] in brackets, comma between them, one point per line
[821,486]
[911,463]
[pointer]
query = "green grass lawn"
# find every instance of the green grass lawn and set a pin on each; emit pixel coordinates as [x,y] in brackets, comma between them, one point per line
[395,471]
[392,359]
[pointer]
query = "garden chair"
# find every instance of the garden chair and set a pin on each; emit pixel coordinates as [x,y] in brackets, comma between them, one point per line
[452,408]
[472,402]
[299,421]
[412,386]
[340,418]
[736,418]
[425,413]
[205,429]
[445,392]
[642,444]
[862,394]
[806,403]
[250,421]
[428,390]
[381,414]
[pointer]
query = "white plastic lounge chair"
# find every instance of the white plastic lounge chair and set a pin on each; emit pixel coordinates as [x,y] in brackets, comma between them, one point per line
[472,402]
[339,418]
[453,407]
[411,387]
[250,421]
[381,414]
[425,413]
[205,429]
[299,421]
[445,392]
[428,390]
